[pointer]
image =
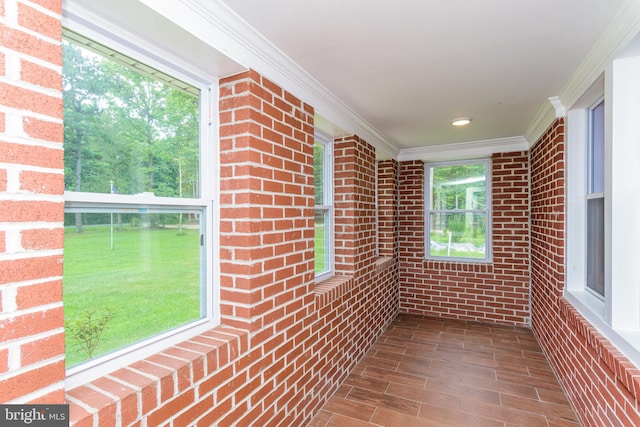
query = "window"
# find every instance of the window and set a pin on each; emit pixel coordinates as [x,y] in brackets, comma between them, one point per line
[603,206]
[323,198]
[457,210]
[138,213]
[595,200]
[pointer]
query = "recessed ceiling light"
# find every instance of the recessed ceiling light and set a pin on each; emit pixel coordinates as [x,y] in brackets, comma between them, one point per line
[462,121]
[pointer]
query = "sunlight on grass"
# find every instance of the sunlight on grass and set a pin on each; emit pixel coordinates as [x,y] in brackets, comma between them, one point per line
[150,280]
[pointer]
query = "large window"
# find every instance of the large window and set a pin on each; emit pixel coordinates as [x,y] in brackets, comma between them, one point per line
[603,205]
[595,200]
[457,210]
[323,197]
[138,214]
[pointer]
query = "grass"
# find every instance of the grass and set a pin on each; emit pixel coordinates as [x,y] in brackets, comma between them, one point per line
[319,248]
[150,280]
[443,240]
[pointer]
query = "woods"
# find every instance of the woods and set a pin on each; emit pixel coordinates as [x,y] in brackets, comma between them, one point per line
[130,126]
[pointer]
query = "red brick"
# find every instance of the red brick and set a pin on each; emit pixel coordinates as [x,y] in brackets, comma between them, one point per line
[31,45]
[43,130]
[4,359]
[38,294]
[52,5]
[31,380]
[31,211]
[39,22]
[103,404]
[3,180]
[126,395]
[42,239]
[42,349]
[24,325]
[25,99]
[29,155]
[170,408]
[79,416]
[30,269]
[164,375]
[148,387]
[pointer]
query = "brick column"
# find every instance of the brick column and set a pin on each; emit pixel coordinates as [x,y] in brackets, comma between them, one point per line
[266,200]
[387,208]
[31,203]
[354,207]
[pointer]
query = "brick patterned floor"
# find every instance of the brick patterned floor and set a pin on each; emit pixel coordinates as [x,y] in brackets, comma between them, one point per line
[435,372]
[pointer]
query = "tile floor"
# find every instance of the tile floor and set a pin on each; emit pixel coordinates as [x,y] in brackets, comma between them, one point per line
[434,372]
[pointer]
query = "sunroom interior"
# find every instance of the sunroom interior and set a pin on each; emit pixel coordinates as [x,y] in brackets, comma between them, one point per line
[299,213]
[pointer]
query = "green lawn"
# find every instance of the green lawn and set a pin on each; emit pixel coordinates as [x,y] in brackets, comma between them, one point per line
[150,280]
[442,242]
[319,249]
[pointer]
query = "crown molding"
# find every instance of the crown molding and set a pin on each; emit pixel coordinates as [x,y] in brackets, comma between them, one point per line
[560,109]
[551,110]
[620,31]
[464,150]
[546,115]
[216,24]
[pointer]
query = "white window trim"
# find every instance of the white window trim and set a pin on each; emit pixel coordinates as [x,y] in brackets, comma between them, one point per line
[617,317]
[119,40]
[329,194]
[427,209]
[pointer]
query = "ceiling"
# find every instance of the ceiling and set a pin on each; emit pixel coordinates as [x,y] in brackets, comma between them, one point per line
[409,67]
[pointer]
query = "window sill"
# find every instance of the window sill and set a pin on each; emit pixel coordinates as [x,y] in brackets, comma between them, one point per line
[144,388]
[331,289]
[613,348]
[383,263]
[480,266]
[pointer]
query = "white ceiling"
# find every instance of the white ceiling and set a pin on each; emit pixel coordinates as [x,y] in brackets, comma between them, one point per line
[408,67]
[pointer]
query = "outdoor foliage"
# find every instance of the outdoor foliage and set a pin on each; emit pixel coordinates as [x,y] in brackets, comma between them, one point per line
[86,330]
[128,129]
[457,219]
[125,127]
[150,281]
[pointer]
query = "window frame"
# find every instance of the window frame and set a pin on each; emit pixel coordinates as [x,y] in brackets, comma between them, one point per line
[118,39]
[616,315]
[327,206]
[487,211]
[590,193]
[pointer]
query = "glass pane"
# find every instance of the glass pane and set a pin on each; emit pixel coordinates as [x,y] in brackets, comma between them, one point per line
[127,277]
[458,235]
[319,172]
[597,149]
[321,255]
[595,245]
[458,187]
[126,131]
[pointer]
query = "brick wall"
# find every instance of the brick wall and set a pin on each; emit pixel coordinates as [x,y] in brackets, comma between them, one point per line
[496,292]
[354,206]
[31,186]
[601,383]
[285,344]
[388,208]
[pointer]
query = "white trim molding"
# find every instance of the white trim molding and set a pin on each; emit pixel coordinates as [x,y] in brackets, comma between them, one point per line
[555,102]
[621,30]
[464,150]
[217,25]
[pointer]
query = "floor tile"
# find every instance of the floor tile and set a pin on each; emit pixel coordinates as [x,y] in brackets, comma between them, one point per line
[427,372]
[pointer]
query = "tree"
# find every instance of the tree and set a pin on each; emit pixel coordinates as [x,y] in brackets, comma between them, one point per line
[128,126]
[82,89]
